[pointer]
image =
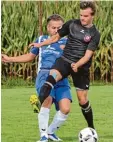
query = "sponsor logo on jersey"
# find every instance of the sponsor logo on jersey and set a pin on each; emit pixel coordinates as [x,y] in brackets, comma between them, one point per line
[82,31]
[50,47]
[87,38]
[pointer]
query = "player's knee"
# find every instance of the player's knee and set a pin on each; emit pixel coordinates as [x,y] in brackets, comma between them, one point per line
[65,110]
[82,101]
[82,96]
[46,88]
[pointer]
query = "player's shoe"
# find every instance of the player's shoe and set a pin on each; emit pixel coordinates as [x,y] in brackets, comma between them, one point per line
[34,101]
[43,139]
[53,137]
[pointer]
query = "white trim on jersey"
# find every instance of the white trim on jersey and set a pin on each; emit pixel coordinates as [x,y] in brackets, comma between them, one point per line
[40,53]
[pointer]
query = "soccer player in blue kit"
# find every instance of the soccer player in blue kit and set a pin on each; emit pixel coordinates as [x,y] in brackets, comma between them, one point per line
[60,94]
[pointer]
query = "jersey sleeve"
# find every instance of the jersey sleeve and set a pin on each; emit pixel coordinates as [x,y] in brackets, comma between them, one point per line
[65,29]
[35,50]
[94,42]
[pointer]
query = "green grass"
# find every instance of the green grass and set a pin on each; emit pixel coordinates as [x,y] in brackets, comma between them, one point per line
[19,123]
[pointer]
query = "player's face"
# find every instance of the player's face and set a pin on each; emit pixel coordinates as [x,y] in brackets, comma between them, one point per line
[85,17]
[54,26]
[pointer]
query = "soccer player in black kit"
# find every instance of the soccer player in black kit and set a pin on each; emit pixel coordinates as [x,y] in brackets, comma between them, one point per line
[83,39]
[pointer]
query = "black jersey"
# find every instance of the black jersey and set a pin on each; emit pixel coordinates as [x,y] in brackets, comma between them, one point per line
[79,40]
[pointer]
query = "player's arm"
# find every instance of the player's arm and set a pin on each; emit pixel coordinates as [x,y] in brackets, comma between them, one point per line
[22,58]
[61,33]
[83,60]
[89,52]
[51,40]
[19,59]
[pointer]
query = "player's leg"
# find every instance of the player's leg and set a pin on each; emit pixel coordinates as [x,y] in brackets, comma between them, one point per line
[63,96]
[49,84]
[60,70]
[61,115]
[81,82]
[45,108]
[85,107]
[43,123]
[44,113]
[40,80]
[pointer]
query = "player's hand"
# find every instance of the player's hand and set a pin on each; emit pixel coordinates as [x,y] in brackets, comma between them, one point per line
[34,45]
[5,58]
[74,67]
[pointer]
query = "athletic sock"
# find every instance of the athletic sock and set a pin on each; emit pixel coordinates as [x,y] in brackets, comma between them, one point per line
[58,120]
[43,119]
[46,88]
[88,114]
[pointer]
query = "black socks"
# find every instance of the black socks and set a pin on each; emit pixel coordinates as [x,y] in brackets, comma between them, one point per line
[88,114]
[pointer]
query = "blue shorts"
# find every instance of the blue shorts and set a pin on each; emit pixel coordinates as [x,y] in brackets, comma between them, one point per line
[61,89]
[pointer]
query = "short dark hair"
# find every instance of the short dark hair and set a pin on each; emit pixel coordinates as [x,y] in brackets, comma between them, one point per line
[55,17]
[88,4]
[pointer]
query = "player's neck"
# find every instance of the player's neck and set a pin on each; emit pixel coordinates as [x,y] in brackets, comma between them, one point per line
[89,25]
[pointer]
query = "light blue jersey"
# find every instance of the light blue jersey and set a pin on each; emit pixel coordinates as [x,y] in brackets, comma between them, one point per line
[47,56]
[49,53]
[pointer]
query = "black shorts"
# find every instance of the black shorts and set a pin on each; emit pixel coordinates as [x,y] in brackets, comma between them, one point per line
[80,79]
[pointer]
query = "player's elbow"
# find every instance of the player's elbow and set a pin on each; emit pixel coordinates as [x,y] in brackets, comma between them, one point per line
[31,56]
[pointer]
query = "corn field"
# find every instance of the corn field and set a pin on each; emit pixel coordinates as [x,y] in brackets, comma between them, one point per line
[22,22]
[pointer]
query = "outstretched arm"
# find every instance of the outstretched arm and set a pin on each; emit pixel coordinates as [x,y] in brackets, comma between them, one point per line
[19,59]
[52,39]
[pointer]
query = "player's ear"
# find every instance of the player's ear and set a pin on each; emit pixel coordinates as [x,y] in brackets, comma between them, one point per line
[47,27]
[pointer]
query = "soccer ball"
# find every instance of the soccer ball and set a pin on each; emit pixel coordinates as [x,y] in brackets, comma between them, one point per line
[88,135]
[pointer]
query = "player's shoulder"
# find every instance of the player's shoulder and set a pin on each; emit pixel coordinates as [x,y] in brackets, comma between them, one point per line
[96,31]
[74,22]
[70,21]
[44,37]
[41,38]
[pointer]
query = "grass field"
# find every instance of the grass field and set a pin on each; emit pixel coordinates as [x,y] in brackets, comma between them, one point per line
[19,123]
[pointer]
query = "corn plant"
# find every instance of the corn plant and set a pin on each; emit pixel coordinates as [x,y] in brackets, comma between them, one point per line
[22,22]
